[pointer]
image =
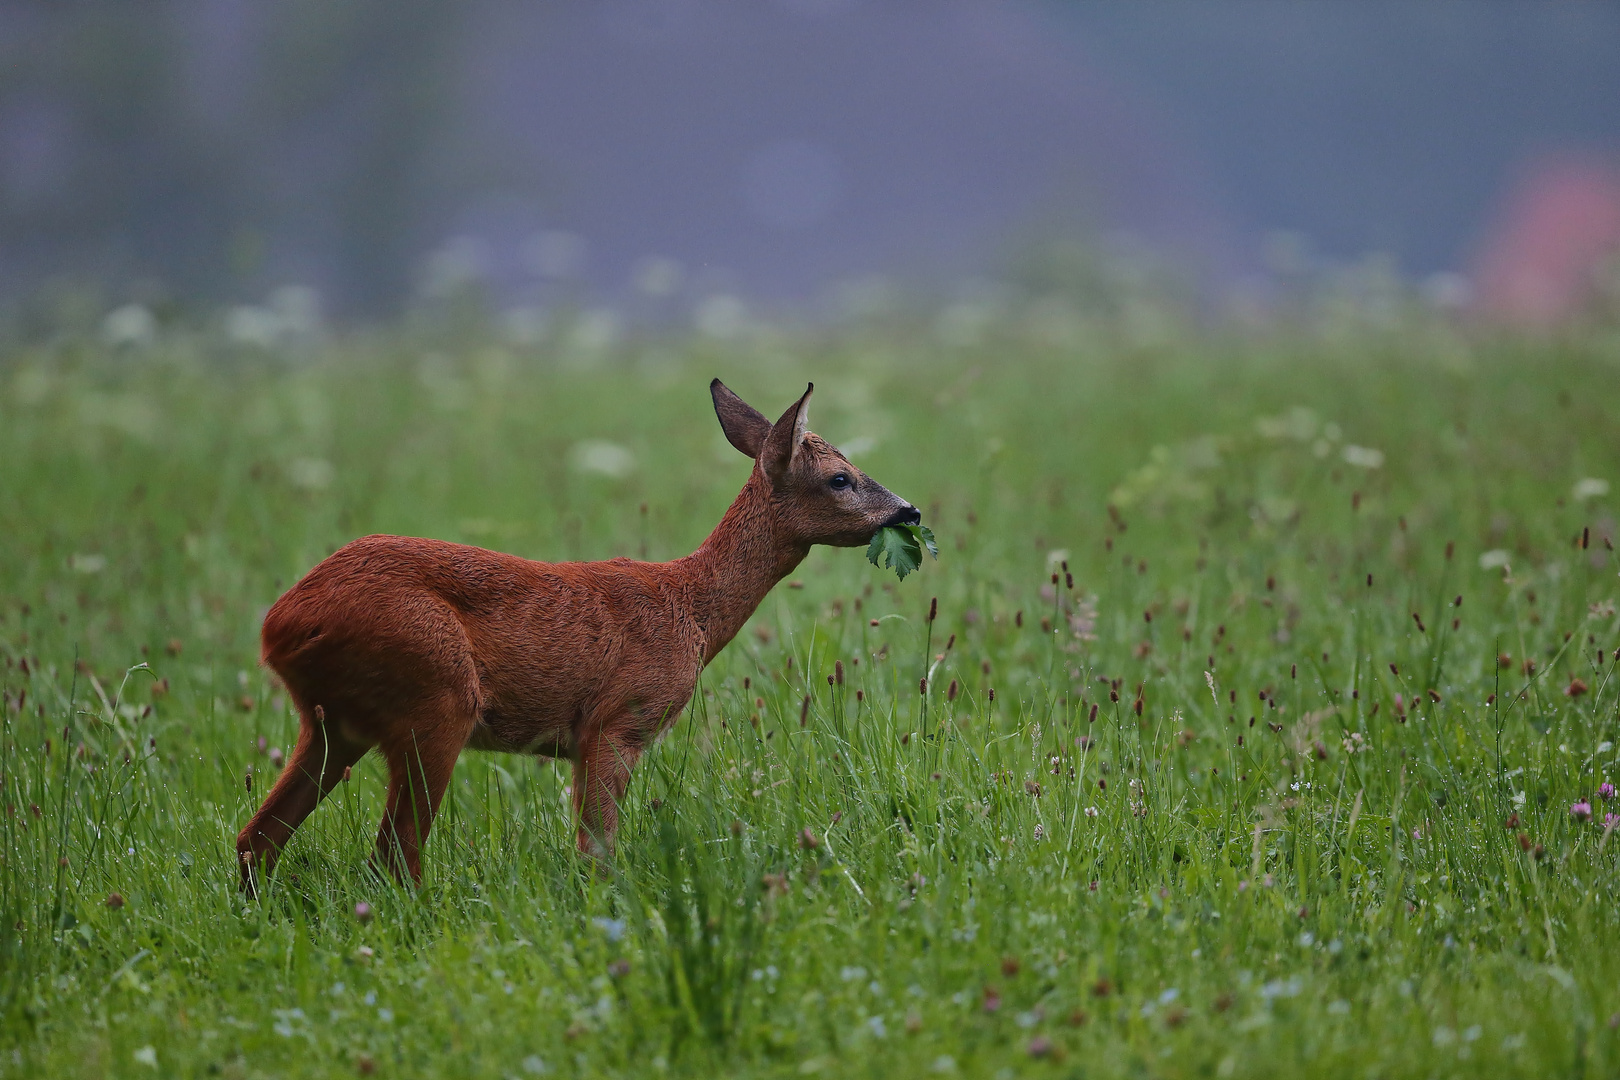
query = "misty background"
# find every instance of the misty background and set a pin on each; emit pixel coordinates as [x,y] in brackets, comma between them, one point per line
[692,159]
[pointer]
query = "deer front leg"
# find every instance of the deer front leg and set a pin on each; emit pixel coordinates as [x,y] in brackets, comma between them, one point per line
[603,760]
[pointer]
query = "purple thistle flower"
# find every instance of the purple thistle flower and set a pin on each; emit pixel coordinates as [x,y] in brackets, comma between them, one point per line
[1605,791]
[1581,811]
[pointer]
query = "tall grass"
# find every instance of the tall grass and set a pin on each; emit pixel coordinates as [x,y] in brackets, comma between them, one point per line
[1228,759]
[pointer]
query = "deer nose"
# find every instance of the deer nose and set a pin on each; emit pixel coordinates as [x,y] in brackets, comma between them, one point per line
[906,515]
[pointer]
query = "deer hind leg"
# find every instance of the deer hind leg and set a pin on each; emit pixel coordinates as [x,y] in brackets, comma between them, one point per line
[602,765]
[420,759]
[316,766]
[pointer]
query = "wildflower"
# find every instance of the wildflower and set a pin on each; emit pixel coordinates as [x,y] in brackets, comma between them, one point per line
[1091,811]
[362,911]
[1605,791]
[1581,811]
[276,757]
[1610,821]
[1032,788]
[1040,1046]
[992,999]
[115,900]
[1576,688]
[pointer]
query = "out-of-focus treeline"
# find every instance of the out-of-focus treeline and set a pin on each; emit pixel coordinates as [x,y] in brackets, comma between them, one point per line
[699,162]
[164,145]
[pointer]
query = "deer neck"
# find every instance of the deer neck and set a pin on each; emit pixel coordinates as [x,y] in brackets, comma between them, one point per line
[741,561]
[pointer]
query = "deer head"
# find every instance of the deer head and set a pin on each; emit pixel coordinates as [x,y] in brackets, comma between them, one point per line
[816,495]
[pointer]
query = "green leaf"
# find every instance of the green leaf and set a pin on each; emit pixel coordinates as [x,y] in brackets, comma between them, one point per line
[898,548]
[926,535]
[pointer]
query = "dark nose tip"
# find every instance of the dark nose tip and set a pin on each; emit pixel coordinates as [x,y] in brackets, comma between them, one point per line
[906,515]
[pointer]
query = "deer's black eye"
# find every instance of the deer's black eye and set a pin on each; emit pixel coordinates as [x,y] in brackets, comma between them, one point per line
[839,482]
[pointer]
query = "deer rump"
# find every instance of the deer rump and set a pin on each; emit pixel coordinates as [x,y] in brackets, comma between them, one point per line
[448,643]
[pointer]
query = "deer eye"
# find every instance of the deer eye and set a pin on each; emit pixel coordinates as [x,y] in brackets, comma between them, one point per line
[839,482]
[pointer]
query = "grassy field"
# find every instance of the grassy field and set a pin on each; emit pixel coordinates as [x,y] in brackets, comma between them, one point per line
[1281,785]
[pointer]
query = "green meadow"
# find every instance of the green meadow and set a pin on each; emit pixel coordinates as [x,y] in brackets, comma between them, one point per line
[1261,731]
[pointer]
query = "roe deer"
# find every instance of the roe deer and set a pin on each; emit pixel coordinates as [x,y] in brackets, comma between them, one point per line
[423,648]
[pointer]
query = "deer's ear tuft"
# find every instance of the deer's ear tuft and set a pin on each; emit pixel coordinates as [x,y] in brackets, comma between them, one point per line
[745,426]
[786,436]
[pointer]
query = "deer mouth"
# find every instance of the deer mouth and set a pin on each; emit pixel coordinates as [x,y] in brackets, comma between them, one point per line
[906,515]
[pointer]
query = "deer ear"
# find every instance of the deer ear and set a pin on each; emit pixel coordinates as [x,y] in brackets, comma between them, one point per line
[744,425]
[786,436]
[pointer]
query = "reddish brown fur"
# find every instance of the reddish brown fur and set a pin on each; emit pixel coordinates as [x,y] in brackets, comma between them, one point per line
[422,648]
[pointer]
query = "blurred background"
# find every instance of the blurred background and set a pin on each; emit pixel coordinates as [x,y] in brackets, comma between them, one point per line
[697,163]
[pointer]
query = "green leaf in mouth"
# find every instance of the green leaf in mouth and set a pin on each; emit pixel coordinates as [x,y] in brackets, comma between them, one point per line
[899,547]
